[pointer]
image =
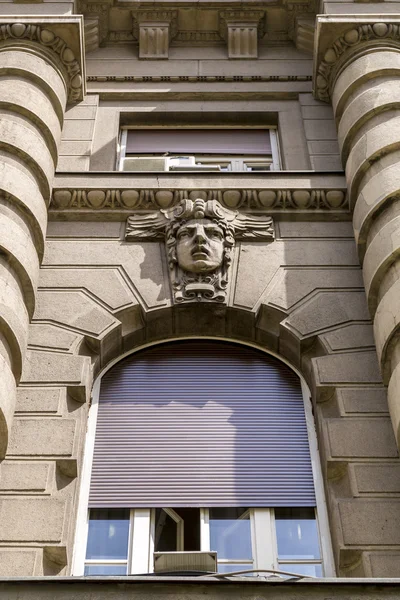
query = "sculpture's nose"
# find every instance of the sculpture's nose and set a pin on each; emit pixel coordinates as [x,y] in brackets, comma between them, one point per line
[200,236]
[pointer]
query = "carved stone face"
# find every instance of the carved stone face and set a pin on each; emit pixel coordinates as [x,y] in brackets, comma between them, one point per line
[200,246]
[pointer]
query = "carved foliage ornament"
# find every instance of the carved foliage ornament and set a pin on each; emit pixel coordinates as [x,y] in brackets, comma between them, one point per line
[47,38]
[350,39]
[200,238]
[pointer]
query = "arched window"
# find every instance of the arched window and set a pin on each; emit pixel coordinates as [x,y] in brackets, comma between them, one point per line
[201,445]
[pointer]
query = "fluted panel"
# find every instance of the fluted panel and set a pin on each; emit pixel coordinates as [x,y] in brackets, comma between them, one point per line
[32,103]
[366,100]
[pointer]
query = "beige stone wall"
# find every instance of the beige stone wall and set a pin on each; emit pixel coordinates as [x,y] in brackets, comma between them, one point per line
[300,296]
[96,296]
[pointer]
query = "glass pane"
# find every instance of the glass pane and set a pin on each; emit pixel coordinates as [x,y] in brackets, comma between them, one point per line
[227,568]
[297,533]
[166,530]
[311,570]
[230,534]
[105,570]
[108,533]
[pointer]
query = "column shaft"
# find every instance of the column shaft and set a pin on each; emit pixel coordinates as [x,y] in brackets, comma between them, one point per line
[366,101]
[32,104]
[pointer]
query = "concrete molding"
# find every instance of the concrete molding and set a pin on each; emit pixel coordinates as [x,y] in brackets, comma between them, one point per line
[119,200]
[341,37]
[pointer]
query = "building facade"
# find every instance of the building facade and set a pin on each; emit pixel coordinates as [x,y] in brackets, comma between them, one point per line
[271,131]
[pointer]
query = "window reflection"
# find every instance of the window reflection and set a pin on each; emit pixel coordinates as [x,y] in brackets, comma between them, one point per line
[296,533]
[230,533]
[108,534]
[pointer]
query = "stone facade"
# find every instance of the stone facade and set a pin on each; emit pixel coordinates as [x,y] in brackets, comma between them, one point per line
[311,270]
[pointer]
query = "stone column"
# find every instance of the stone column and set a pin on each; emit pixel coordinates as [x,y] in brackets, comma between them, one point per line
[39,73]
[358,69]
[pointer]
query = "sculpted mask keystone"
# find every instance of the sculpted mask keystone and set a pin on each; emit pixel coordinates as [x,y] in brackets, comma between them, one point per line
[200,238]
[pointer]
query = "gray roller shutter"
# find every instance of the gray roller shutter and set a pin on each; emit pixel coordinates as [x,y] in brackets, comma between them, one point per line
[198,141]
[201,423]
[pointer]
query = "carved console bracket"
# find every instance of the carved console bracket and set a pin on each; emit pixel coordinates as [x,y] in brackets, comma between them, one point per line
[200,238]
[241,29]
[154,29]
[69,55]
[339,38]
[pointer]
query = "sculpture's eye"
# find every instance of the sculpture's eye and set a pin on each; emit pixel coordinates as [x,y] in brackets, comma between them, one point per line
[214,234]
[184,233]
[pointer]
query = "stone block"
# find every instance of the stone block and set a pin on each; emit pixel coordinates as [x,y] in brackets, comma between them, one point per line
[84,229]
[309,229]
[105,284]
[296,284]
[75,310]
[42,437]
[32,519]
[50,336]
[351,336]
[326,163]
[350,367]
[56,368]
[363,400]
[257,265]
[327,309]
[320,129]
[79,129]
[24,476]
[17,563]
[323,147]
[370,522]
[73,163]
[39,399]
[68,148]
[361,438]
[384,564]
[377,479]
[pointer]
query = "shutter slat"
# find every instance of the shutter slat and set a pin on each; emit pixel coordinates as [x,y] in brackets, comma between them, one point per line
[201,424]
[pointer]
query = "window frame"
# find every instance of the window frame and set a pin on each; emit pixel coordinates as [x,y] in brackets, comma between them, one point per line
[274,160]
[142,544]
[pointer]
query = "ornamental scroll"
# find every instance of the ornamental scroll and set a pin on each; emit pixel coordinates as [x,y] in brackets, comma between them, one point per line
[200,238]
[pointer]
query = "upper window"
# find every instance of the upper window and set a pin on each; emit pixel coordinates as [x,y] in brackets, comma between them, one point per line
[224,149]
[200,446]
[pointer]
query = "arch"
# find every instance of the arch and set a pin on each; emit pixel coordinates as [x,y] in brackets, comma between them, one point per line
[81,529]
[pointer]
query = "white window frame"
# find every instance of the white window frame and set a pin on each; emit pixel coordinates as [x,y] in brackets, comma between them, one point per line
[142,541]
[240,162]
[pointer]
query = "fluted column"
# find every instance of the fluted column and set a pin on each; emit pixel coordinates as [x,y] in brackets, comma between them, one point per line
[39,73]
[359,70]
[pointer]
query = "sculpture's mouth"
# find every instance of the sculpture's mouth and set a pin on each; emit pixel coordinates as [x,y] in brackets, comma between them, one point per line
[200,253]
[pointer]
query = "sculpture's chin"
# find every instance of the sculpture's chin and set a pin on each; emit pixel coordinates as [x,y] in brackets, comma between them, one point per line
[201,266]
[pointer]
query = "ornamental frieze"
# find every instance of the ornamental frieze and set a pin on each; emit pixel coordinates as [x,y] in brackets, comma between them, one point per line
[253,199]
[200,237]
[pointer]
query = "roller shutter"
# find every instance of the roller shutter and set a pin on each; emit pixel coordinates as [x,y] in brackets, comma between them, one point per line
[201,423]
[198,141]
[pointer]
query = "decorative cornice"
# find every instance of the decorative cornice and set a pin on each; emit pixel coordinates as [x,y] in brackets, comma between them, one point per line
[46,38]
[145,199]
[351,41]
[196,78]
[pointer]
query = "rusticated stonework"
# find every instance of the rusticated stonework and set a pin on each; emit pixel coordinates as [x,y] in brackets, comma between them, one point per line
[200,238]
